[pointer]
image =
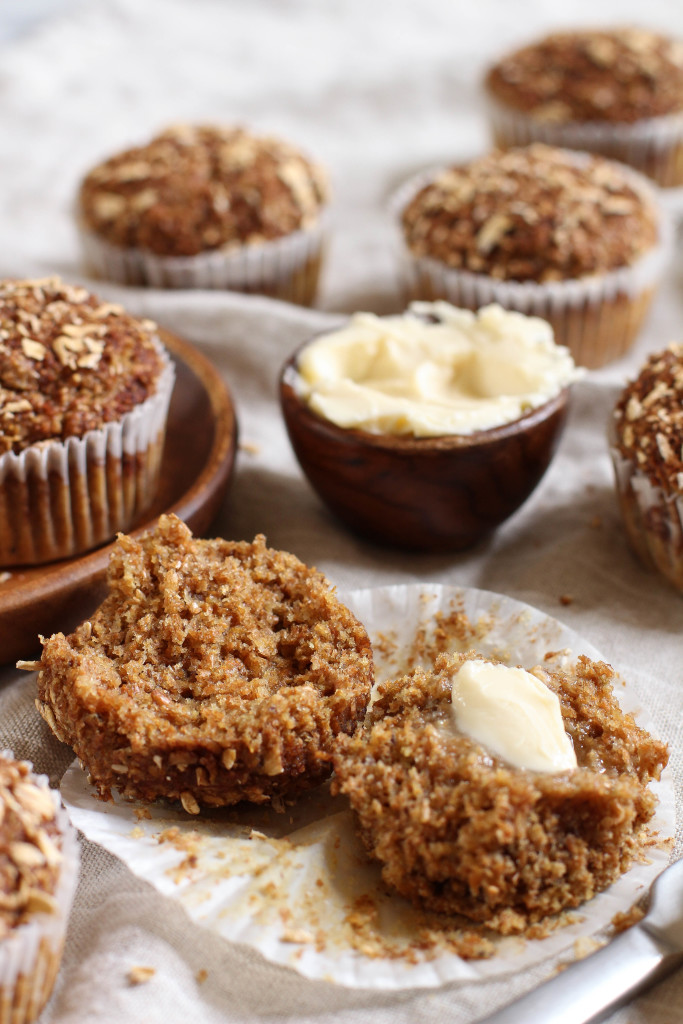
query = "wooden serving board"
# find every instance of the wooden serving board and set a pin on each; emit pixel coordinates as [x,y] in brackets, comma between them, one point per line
[198,459]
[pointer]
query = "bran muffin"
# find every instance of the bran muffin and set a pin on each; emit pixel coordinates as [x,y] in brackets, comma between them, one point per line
[84,394]
[574,239]
[205,206]
[618,92]
[38,875]
[458,830]
[214,672]
[646,435]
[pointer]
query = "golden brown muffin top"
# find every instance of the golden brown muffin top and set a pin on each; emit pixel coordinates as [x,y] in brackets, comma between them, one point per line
[68,362]
[197,188]
[532,214]
[619,75]
[30,854]
[648,419]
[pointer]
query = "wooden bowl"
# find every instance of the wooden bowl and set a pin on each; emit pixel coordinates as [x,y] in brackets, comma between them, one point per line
[197,464]
[423,494]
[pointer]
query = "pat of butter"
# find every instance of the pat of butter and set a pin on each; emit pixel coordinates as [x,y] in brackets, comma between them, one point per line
[435,370]
[513,715]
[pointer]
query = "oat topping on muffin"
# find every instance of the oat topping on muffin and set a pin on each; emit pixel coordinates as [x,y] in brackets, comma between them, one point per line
[649,419]
[198,188]
[532,214]
[622,75]
[68,362]
[214,672]
[30,854]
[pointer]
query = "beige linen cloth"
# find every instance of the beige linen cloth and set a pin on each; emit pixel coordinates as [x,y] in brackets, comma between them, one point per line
[374,90]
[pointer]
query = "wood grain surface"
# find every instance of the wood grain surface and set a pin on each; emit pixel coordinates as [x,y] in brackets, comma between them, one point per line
[197,464]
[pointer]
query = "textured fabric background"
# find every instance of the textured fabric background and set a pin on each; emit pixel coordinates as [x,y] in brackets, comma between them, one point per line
[375,90]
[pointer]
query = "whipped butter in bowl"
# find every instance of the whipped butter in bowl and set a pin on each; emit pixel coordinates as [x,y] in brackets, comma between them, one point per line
[427,430]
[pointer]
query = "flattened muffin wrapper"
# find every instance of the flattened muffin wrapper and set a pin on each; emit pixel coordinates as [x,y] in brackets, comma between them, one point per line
[653,519]
[285,268]
[61,498]
[653,146]
[598,318]
[30,955]
[294,885]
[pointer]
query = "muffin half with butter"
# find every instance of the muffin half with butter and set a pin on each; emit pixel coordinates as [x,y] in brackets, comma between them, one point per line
[574,239]
[427,430]
[206,206]
[499,793]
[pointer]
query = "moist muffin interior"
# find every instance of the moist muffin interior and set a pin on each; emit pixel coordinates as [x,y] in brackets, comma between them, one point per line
[214,672]
[69,363]
[197,188]
[531,214]
[620,75]
[459,831]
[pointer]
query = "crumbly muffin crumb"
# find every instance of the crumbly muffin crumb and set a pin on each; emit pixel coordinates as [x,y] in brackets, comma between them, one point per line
[214,672]
[457,830]
[30,845]
[648,419]
[532,214]
[197,188]
[68,362]
[622,75]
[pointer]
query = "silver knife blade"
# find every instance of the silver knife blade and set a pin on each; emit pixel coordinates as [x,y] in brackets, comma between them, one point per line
[590,989]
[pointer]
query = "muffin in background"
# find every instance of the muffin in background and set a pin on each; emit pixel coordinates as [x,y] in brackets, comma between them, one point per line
[646,435]
[39,859]
[205,206]
[84,396]
[572,238]
[618,92]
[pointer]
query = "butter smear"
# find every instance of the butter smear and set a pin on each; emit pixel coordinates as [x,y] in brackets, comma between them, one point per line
[434,370]
[513,715]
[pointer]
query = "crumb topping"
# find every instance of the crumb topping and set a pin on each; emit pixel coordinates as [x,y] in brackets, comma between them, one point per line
[68,362]
[622,75]
[197,188]
[215,671]
[531,214]
[458,830]
[649,419]
[30,854]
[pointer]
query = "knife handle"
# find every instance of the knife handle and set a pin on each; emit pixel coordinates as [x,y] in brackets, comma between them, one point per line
[591,988]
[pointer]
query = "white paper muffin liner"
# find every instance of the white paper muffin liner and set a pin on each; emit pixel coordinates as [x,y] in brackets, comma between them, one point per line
[653,146]
[288,885]
[597,317]
[653,518]
[285,268]
[60,498]
[30,955]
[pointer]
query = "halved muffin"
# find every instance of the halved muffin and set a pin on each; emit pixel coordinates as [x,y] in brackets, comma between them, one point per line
[214,672]
[459,830]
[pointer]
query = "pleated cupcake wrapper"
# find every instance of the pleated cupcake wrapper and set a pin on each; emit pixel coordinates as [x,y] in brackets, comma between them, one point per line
[30,955]
[59,498]
[285,268]
[653,518]
[597,317]
[653,146]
